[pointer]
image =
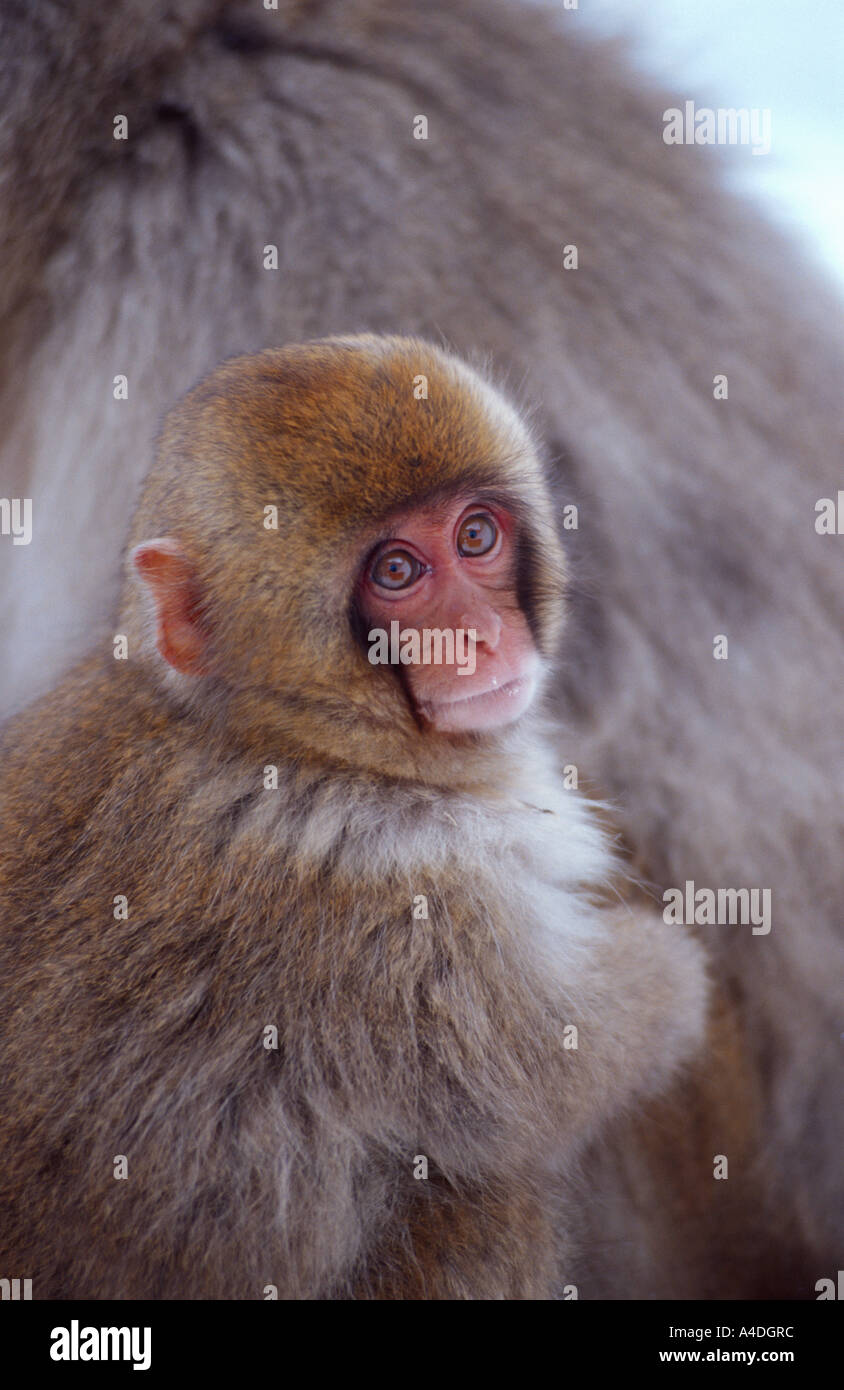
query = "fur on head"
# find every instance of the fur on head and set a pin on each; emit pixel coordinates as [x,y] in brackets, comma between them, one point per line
[331,434]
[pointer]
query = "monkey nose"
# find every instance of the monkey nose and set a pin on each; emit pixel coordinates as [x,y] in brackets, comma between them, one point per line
[486,624]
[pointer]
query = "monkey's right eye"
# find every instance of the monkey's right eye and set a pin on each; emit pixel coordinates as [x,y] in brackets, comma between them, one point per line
[395,569]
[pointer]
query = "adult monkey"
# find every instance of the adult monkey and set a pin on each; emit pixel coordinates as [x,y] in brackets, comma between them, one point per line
[294,127]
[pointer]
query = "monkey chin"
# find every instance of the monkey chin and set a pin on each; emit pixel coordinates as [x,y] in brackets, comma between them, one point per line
[491,708]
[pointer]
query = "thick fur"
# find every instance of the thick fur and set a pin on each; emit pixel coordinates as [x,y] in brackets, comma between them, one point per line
[144,257]
[397,1037]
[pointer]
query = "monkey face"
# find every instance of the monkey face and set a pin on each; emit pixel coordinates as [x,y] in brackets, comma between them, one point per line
[448,577]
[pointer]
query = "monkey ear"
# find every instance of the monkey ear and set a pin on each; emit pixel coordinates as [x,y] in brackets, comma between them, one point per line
[170,579]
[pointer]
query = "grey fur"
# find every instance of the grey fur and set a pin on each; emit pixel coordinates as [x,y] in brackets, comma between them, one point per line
[696,516]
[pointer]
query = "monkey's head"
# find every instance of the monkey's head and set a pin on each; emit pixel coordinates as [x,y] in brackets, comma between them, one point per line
[349,549]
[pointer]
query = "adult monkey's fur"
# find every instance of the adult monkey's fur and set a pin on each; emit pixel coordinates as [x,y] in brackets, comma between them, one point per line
[696,516]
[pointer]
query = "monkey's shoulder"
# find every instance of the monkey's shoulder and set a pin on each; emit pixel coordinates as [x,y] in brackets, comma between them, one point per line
[61,757]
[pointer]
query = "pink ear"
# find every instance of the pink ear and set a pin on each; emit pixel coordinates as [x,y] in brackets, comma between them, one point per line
[169,576]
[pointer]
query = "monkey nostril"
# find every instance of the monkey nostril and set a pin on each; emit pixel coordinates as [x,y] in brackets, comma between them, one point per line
[487,627]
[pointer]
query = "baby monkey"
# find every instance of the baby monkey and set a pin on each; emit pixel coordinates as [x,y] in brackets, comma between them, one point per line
[313,978]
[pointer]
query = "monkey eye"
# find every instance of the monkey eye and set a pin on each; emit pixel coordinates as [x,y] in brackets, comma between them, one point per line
[395,569]
[477,535]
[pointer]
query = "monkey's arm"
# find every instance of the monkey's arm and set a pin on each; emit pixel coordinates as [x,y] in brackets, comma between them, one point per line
[642,997]
[638,1001]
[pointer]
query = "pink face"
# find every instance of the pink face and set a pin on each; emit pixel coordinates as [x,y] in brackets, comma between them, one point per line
[454,567]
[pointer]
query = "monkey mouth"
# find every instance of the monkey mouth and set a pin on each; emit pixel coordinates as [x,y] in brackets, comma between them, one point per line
[491,708]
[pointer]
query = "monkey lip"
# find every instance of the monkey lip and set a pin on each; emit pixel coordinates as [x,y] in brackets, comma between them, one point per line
[486,709]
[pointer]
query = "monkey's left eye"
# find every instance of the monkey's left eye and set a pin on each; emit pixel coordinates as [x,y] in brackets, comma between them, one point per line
[477,535]
[396,569]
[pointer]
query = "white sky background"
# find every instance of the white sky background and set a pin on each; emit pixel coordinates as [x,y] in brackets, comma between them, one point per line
[787,55]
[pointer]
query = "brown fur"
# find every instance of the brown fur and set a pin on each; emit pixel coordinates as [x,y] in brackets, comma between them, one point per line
[649,1205]
[695,516]
[249,907]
